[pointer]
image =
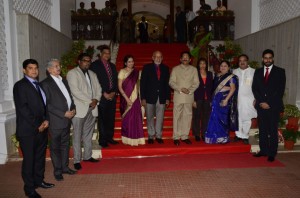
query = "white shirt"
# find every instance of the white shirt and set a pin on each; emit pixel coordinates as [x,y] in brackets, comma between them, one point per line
[270,68]
[63,89]
[190,16]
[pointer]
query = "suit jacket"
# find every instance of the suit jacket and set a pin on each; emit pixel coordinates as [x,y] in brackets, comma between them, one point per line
[98,67]
[57,104]
[204,89]
[81,92]
[30,109]
[152,88]
[271,92]
[184,77]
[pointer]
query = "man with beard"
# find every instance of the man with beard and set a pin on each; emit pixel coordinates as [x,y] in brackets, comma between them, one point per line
[268,89]
[245,99]
[184,80]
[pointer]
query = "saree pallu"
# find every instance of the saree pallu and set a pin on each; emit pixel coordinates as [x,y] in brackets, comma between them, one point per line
[132,123]
[222,119]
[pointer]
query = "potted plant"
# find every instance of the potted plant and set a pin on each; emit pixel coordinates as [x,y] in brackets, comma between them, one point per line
[290,138]
[292,113]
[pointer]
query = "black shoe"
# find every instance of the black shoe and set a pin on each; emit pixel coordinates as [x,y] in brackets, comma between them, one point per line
[159,140]
[150,141]
[187,141]
[236,139]
[103,145]
[46,185]
[58,177]
[77,166]
[197,138]
[259,154]
[69,171]
[91,160]
[271,159]
[33,194]
[176,142]
[112,142]
[245,141]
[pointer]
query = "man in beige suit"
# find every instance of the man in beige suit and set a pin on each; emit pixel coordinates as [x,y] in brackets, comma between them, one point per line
[184,80]
[86,92]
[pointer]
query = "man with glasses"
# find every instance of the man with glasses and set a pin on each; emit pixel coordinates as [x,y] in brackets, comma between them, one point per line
[86,93]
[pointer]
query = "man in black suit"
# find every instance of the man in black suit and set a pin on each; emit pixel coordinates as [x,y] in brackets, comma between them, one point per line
[143,29]
[155,95]
[108,79]
[32,124]
[268,89]
[61,110]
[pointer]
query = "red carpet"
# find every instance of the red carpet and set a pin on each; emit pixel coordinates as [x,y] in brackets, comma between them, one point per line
[175,163]
[168,148]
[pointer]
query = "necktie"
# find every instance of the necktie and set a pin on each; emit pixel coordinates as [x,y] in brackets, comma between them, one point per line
[109,72]
[158,72]
[37,86]
[266,75]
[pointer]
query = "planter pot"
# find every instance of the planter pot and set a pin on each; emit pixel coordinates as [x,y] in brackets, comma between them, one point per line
[289,144]
[254,123]
[293,121]
[292,127]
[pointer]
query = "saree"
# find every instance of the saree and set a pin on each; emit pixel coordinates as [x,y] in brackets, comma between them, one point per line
[132,121]
[222,118]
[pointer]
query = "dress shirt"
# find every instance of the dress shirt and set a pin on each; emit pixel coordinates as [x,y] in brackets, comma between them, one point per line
[270,68]
[63,89]
[42,92]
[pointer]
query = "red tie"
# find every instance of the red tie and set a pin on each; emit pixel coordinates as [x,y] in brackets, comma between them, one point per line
[267,74]
[158,72]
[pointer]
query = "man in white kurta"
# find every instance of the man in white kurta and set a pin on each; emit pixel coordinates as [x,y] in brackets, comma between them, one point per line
[245,99]
[184,80]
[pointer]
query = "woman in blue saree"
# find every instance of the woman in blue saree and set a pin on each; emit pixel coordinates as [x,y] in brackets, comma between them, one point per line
[224,113]
[130,105]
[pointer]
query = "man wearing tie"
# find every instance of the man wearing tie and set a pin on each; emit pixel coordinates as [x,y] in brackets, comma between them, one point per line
[268,89]
[32,124]
[86,93]
[108,79]
[155,95]
[61,110]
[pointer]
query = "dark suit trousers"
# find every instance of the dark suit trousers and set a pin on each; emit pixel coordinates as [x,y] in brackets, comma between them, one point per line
[106,119]
[33,165]
[268,131]
[60,140]
[200,117]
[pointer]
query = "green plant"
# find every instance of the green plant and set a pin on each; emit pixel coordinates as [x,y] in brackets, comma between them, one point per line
[15,141]
[254,64]
[290,135]
[291,111]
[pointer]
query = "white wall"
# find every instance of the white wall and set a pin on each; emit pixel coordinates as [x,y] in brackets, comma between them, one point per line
[65,16]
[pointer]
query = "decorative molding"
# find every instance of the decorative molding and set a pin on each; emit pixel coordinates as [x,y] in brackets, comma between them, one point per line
[3,51]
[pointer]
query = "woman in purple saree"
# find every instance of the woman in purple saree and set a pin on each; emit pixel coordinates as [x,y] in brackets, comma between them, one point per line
[130,105]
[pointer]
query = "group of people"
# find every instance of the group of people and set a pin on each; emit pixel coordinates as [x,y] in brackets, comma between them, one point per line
[109,9]
[211,104]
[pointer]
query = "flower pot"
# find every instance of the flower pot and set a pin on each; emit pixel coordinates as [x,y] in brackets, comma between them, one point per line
[254,123]
[293,121]
[292,127]
[20,152]
[289,144]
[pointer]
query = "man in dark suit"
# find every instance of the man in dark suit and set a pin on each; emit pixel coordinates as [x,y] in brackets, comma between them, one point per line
[32,124]
[108,79]
[155,95]
[143,29]
[268,89]
[61,110]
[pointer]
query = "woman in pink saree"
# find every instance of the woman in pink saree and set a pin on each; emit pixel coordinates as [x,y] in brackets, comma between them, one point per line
[130,105]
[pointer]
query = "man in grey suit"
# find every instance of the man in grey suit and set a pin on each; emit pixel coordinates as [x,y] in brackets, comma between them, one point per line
[86,92]
[61,110]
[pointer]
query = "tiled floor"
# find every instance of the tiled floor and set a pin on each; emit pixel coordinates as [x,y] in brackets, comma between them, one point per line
[222,183]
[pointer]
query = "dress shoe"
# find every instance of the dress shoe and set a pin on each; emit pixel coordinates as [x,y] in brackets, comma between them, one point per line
[259,154]
[77,166]
[150,141]
[58,177]
[176,142]
[159,140]
[271,159]
[197,138]
[245,141]
[46,185]
[93,160]
[187,141]
[103,145]
[236,139]
[69,171]
[33,194]
[112,141]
